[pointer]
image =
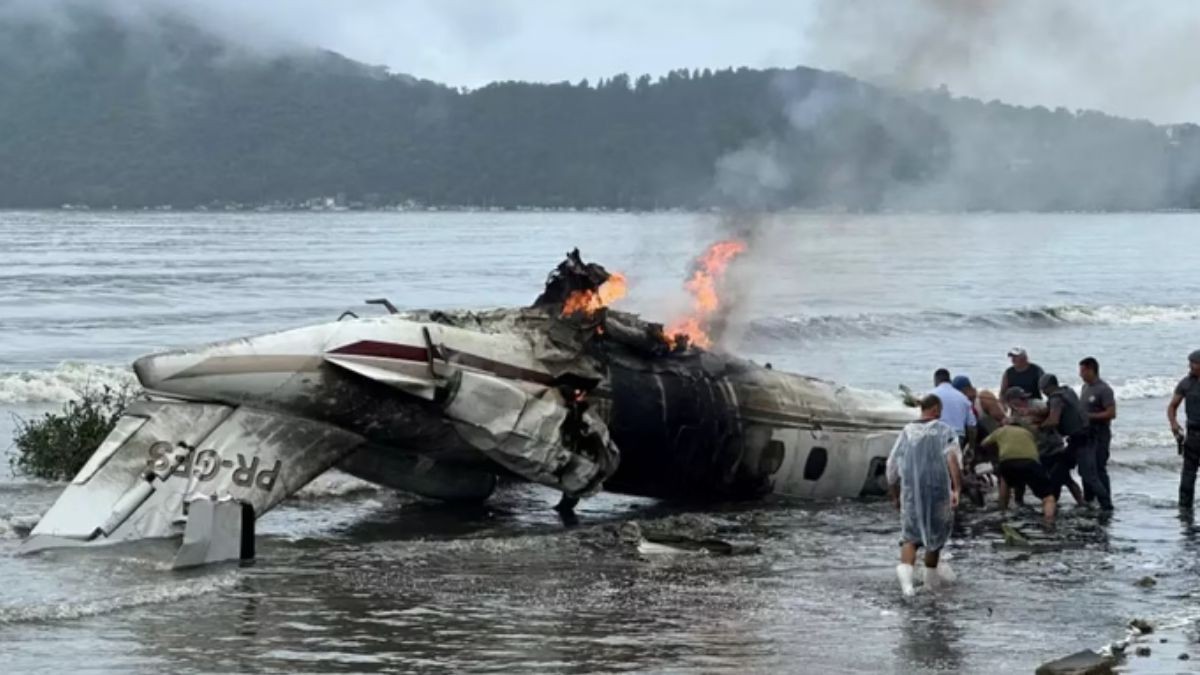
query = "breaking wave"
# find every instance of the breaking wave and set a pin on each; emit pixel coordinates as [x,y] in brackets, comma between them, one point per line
[1145,387]
[76,609]
[61,384]
[334,483]
[888,323]
[1146,438]
[874,399]
[16,527]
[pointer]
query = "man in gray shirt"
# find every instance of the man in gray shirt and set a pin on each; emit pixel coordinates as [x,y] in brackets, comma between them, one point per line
[1189,445]
[1100,406]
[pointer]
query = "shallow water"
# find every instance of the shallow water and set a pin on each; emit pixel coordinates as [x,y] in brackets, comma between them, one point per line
[353,578]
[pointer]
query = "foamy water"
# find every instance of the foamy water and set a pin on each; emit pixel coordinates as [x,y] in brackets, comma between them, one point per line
[62,383]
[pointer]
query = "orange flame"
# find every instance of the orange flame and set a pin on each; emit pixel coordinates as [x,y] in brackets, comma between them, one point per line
[588,302]
[709,270]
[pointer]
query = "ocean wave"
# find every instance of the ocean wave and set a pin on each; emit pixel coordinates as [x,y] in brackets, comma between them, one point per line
[1144,439]
[62,383]
[874,399]
[16,527]
[168,591]
[334,483]
[889,323]
[1159,386]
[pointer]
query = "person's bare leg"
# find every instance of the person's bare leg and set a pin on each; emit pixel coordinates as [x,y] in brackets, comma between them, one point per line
[904,571]
[1003,495]
[933,573]
[1076,493]
[1049,509]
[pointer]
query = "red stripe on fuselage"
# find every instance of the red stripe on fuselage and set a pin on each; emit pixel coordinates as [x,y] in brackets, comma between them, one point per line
[386,350]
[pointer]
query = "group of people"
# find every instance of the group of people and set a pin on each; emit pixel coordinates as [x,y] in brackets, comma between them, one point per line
[1033,435]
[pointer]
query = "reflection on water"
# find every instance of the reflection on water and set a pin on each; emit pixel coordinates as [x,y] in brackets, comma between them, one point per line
[404,585]
[929,638]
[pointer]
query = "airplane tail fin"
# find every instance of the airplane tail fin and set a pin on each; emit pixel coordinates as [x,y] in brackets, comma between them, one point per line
[163,457]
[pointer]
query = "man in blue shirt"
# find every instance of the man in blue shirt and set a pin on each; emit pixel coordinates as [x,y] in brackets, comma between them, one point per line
[957,411]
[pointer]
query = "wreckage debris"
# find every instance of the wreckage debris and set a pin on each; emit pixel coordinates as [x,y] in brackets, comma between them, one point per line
[1086,662]
[443,404]
[691,533]
[1142,626]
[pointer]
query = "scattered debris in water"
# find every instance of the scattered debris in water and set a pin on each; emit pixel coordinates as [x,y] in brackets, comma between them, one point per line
[686,533]
[1086,662]
[1142,626]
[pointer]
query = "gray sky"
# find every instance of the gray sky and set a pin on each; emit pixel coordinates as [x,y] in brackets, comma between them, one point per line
[1128,57]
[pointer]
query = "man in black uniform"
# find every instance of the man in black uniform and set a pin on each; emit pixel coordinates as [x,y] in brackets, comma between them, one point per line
[1066,415]
[1022,374]
[1188,390]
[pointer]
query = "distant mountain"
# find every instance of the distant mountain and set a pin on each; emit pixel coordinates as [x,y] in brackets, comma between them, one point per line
[101,111]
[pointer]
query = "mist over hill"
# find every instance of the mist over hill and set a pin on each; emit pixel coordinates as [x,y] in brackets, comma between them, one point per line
[100,109]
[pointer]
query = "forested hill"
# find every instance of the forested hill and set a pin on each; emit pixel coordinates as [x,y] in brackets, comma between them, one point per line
[99,111]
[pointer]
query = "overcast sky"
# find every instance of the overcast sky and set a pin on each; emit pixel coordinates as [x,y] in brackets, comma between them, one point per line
[1129,57]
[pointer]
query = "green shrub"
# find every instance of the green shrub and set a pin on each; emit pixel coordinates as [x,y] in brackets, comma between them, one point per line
[56,445]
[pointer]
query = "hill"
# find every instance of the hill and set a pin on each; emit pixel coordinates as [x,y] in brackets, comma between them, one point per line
[96,110]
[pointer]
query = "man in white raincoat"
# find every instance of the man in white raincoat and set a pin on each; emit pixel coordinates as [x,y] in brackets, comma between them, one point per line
[924,473]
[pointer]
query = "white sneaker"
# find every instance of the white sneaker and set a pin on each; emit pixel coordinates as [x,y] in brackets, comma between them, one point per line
[905,574]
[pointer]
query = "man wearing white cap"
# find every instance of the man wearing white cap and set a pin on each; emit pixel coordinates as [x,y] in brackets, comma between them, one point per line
[1022,374]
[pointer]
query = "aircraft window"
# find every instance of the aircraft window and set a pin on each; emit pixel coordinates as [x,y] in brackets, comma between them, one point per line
[772,458]
[814,466]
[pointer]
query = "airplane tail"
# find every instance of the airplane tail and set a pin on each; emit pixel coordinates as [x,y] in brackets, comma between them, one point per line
[163,458]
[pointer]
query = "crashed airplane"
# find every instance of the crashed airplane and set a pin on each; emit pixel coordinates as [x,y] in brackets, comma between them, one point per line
[568,393]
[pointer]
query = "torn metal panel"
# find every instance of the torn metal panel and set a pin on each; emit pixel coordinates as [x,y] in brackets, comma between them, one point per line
[529,435]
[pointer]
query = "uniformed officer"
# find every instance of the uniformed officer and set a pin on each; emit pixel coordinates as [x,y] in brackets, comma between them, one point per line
[1188,390]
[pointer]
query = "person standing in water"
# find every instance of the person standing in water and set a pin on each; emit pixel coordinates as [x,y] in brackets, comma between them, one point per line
[1187,390]
[924,476]
[1022,374]
[1067,417]
[1100,405]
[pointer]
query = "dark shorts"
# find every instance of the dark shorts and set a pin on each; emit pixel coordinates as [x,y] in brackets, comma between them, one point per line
[1027,473]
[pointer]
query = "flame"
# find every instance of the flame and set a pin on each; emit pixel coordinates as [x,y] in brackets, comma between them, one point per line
[706,277]
[588,302]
